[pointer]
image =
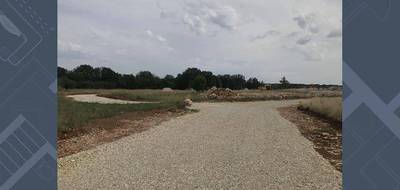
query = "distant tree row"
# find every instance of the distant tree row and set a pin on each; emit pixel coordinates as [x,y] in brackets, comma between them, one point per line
[85,76]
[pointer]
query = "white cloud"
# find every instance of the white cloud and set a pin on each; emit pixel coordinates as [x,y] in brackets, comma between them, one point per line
[224,16]
[161,39]
[150,33]
[203,15]
[195,23]
[70,50]
[154,36]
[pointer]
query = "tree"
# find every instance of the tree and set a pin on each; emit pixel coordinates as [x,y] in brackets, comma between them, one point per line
[169,81]
[253,83]
[225,81]
[146,80]
[284,82]
[210,77]
[65,82]
[61,72]
[237,82]
[85,76]
[127,82]
[199,83]
[83,73]
[183,81]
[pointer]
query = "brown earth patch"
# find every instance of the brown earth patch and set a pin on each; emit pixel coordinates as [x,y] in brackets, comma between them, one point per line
[109,129]
[326,134]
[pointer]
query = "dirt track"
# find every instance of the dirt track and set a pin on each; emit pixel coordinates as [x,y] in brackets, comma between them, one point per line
[224,146]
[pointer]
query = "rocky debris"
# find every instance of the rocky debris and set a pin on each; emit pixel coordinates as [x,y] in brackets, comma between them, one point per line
[220,93]
[167,90]
[188,102]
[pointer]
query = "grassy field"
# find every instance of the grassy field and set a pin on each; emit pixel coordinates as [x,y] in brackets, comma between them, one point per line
[73,114]
[251,95]
[330,107]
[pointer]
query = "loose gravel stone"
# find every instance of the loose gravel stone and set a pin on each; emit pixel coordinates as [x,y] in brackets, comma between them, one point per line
[224,146]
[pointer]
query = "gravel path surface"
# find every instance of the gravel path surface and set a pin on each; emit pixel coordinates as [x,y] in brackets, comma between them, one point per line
[224,146]
[93,98]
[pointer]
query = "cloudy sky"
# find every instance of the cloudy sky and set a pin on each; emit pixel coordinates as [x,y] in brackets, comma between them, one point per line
[299,39]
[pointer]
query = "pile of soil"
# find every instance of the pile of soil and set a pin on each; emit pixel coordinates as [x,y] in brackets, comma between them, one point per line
[167,90]
[220,93]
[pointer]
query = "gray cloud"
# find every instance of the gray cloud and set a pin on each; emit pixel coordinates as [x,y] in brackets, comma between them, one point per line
[167,37]
[199,15]
[301,21]
[335,33]
[269,33]
[304,40]
[308,22]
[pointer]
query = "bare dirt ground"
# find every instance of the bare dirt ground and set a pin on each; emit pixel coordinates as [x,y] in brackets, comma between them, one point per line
[325,133]
[224,146]
[93,98]
[109,129]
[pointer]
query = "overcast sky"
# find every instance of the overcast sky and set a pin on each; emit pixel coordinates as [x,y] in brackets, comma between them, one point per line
[299,39]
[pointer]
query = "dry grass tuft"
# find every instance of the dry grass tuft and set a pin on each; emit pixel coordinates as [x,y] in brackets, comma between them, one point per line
[329,107]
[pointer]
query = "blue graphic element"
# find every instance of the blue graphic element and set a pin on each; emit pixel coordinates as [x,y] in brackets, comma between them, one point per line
[28,86]
[371,138]
[22,147]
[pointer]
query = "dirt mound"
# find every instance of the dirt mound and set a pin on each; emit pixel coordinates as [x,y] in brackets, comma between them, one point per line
[220,93]
[167,90]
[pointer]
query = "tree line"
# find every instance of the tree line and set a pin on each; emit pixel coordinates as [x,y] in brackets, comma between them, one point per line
[88,77]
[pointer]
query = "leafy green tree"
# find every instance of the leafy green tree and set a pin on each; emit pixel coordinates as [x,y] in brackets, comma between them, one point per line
[83,73]
[61,72]
[169,81]
[127,82]
[237,82]
[199,83]
[146,80]
[183,81]
[252,83]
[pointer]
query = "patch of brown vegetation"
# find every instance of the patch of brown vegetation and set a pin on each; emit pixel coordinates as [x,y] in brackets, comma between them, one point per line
[109,129]
[326,134]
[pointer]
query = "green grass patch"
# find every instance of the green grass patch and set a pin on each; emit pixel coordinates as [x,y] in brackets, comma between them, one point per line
[72,114]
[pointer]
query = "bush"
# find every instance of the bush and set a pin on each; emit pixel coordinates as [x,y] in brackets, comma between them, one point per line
[328,107]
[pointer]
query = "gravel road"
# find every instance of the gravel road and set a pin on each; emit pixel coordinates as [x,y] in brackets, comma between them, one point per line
[93,98]
[224,146]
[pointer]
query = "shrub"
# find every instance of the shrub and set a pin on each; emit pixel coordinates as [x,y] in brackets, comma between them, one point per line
[328,107]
